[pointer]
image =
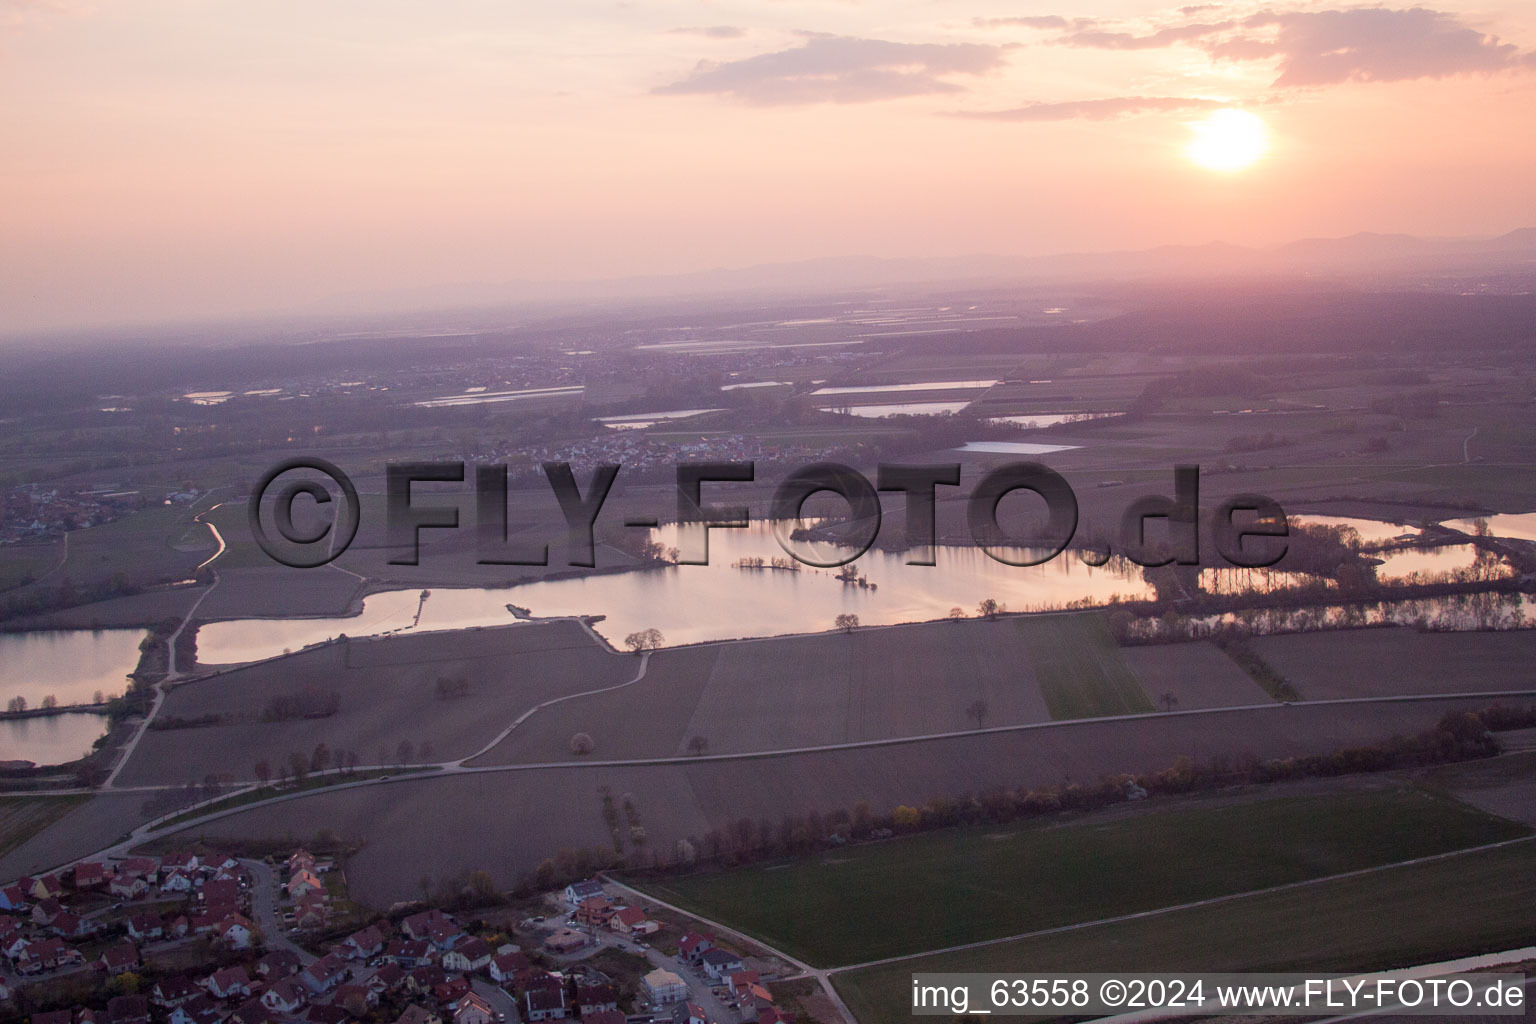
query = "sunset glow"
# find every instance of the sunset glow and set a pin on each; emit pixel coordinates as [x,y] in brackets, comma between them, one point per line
[1228,140]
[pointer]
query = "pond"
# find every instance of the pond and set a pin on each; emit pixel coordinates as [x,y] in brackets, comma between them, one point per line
[68,664]
[50,739]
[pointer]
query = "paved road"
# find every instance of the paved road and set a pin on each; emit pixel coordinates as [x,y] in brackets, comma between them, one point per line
[264,910]
[499,998]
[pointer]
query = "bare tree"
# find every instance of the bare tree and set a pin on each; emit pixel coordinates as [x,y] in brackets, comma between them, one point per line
[581,743]
[697,745]
[50,702]
[846,622]
[263,772]
[644,640]
[978,710]
[956,614]
[1170,701]
[989,608]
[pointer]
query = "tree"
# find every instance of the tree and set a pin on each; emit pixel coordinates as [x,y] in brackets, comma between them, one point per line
[846,622]
[405,751]
[697,745]
[581,744]
[299,765]
[956,614]
[263,772]
[320,760]
[644,640]
[16,704]
[99,698]
[425,750]
[989,608]
[50,702]
[1170,701]
[978,711]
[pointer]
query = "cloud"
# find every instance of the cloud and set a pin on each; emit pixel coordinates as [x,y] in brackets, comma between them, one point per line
[711,31]
[1312,48]
[1095,110]
[1034,21]
[839,69]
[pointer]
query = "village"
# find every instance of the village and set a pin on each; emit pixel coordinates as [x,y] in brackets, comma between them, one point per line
[207,938]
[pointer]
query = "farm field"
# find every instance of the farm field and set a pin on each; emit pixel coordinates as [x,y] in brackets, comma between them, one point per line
[444,820]
[1418,913]
[1197,675]
[21,818]
[1081,671]
[78,831]
[1399,660]
[799,691]
[387,693]
[942,889]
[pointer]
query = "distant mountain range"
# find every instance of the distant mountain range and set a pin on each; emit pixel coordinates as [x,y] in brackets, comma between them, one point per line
[1365,257]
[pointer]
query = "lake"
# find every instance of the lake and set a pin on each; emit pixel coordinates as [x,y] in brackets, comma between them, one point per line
[692,603]
[70,664]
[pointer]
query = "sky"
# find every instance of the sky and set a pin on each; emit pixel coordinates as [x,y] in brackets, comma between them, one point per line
[174,159]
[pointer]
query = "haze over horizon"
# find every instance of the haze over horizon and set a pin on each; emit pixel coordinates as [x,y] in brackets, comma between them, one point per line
[172,160]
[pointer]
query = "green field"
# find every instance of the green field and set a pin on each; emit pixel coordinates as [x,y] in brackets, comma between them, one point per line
[21,818]
[1078,663]
[1419,913]
[948,888]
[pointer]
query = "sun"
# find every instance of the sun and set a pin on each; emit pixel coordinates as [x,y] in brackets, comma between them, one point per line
[1228,140]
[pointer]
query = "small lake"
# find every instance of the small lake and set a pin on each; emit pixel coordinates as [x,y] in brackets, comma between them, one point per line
[50,739]
[639,421]
[899,409]
[1521,526]
[1049,419]
[692,603]
[933,385]
[1371,531]
[70,664]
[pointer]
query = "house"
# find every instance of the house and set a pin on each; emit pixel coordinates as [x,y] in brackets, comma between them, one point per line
[774,1015]
[424,924]
[544,1004]
[235,932]
[422,980]
[51,1017]
[118,958]
[357,1000]
[71,927]
[310,911]
[592,998]
[220,894]
[565,940]
[504,968]
[411,953]
[324,974]
[127,887]
[90,874]
[719,964]
[178,880]
[128,1010]
[182,861]
[146,868]
[632,921]
[361,944]
[14,897]
[692,945]
[304,881]
[145,927]
[286,996]
[45,911]
[451,991]
[252,1012]
[468,955]
[389,977]
[689,1013]
[326,1013]
[169,993]
[228,983]
[594,910]
[280,963]
[47,887]
[418,1014]
[662,987]
[754,998]
[578,891]
[300,860]
[604,1017]
[473,1009]
[739,980]
[46,955]
[199,1010]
